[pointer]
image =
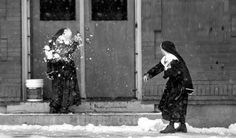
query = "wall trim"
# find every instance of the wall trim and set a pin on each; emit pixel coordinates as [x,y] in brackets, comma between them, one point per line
[82,52]
[138,48]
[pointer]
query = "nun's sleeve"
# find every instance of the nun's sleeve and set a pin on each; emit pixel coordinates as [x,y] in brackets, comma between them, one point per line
[50,69]
[155,70]
[73,47]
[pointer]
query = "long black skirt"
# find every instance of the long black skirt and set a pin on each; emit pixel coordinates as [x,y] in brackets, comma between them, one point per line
[173,104]
[65,88]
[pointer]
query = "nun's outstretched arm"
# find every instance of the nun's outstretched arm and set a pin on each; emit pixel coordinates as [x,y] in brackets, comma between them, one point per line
[155,70]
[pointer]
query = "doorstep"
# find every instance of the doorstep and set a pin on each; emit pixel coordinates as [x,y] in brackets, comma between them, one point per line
[85,107]
[82,119]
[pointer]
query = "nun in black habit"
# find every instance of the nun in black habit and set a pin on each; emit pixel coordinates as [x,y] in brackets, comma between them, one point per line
[61,70]
[173,103]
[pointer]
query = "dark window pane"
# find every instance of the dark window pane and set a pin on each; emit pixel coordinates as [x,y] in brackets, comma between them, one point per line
[57,10]
[109,9]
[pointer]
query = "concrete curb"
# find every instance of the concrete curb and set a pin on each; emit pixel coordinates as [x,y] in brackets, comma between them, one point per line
[92,107]
[82,119]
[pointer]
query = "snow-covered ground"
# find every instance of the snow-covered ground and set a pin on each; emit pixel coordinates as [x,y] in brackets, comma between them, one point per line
[146,129]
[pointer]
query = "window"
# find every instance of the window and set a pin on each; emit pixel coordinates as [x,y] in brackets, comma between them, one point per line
[57,10]
[109,10]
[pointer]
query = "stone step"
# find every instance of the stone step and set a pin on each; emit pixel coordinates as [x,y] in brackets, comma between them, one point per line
[114,106]
[82,119]
[93,106]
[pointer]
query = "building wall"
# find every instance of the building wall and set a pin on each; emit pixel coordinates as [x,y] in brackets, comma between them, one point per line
[210,115]
[214,115]
[10,50]
[203,31]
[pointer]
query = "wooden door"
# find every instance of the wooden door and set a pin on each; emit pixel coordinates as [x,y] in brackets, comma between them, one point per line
[109,49]
[48,16]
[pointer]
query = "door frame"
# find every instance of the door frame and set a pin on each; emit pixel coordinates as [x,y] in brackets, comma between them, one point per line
[25,16]
[25,44]
[138,48]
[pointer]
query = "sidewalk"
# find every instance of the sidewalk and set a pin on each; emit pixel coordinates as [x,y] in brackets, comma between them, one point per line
[145,128]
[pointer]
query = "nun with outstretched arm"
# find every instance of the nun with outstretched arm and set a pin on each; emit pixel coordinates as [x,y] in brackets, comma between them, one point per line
[173,104]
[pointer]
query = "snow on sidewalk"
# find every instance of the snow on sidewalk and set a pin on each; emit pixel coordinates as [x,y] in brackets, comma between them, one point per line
[146,128]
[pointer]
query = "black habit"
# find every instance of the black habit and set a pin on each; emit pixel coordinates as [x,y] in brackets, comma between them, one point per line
[173,103]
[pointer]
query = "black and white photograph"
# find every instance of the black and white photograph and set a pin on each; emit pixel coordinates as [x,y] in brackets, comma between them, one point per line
[117,68]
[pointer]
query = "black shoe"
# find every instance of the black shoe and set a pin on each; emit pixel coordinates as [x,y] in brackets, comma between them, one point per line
[181,128]
[168,129]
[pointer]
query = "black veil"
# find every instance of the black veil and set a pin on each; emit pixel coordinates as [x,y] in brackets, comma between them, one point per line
[169,47]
